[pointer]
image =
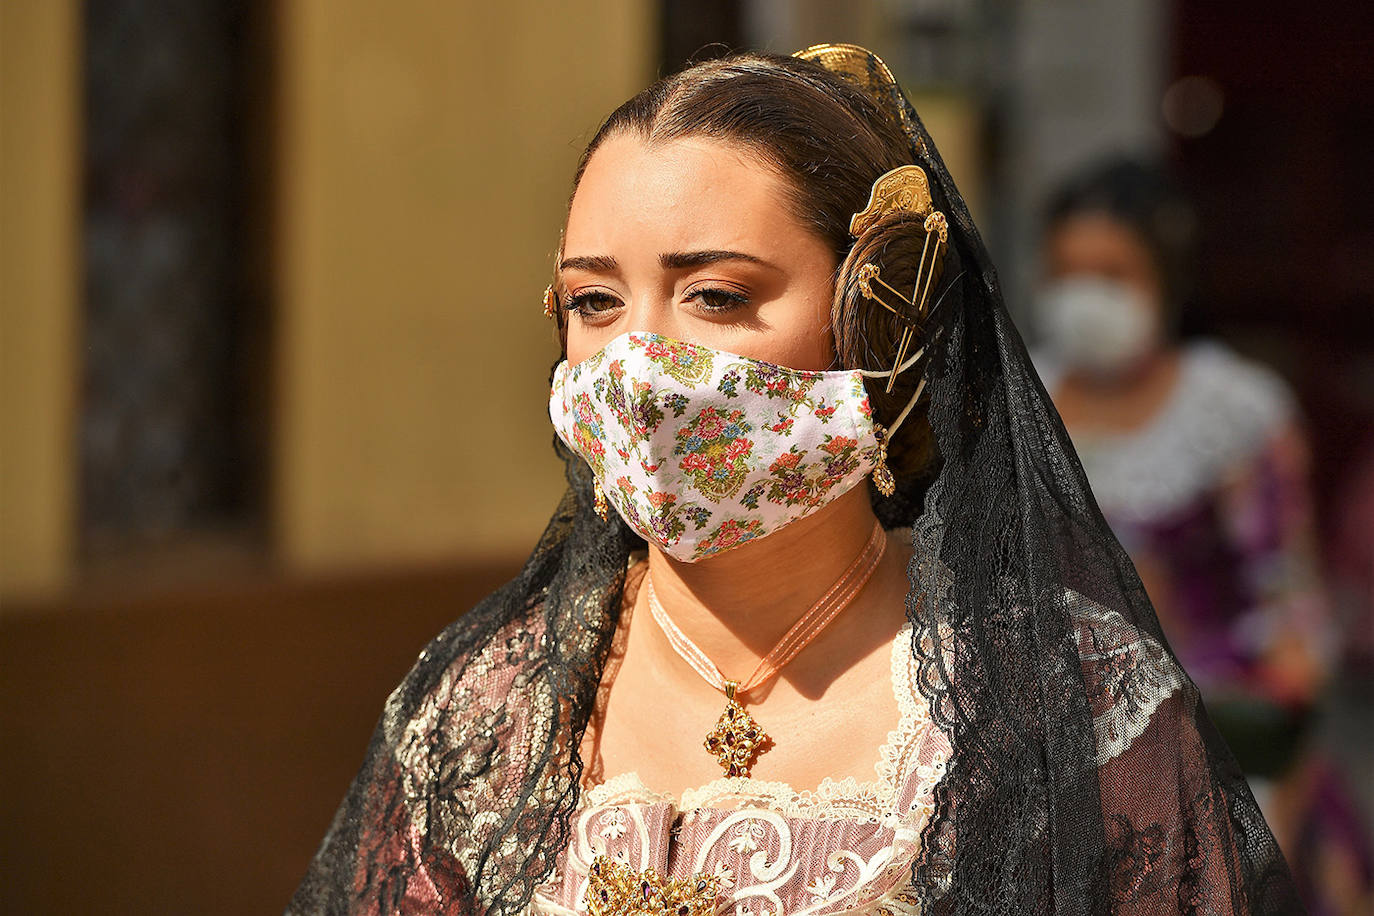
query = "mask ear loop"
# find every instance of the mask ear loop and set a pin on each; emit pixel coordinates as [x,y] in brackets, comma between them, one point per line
[891,373]
[912,360]
[882,474]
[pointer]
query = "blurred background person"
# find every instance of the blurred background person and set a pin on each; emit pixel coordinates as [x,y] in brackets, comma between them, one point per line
[1196,456]
[1199,460]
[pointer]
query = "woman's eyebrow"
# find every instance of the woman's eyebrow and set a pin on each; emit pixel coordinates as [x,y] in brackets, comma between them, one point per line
[672,260]
[680,260]
[602,264]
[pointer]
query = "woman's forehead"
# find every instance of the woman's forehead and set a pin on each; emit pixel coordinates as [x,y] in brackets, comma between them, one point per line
[1097,237]
[682,194]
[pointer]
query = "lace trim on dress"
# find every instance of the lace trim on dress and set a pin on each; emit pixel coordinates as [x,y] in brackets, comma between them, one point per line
[1128,675]
[748,830]
[867,801]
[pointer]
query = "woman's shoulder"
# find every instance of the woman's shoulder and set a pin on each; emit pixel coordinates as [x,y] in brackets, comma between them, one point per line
[476,663]
[1240,390]
[1127,673]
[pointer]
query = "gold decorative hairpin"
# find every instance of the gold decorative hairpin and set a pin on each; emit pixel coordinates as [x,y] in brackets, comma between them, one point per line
[550,302]
[904,189]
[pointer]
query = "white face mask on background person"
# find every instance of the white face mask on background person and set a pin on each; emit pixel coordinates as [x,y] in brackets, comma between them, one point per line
[1096,324]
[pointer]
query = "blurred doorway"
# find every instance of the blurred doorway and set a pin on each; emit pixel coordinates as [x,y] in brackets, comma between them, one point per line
[173,392]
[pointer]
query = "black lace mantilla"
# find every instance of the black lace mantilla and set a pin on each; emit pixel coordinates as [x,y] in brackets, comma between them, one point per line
[1078,783]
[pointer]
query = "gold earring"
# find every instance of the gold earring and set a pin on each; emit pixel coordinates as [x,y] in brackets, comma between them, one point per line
[882,474]
[599,500]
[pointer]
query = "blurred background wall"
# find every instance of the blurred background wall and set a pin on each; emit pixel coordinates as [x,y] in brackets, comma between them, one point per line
[273,368]
[313,239]
[274,402]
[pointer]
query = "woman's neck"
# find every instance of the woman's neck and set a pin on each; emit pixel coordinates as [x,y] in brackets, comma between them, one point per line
[1118,405]
[736,606]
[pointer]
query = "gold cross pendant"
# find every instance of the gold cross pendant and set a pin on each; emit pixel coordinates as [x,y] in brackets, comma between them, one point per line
[737,737]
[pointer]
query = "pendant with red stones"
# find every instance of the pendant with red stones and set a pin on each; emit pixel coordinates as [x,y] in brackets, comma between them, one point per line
[737,737]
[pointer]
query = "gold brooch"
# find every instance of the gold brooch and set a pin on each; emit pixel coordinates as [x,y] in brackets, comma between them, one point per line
[904,189]
[614,889]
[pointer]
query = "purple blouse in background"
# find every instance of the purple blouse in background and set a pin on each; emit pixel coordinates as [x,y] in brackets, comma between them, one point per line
[1210,498]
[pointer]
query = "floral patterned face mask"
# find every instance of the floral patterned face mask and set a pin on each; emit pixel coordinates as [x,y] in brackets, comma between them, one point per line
[701,450]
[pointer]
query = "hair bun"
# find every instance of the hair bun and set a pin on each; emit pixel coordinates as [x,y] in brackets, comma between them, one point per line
[890,252]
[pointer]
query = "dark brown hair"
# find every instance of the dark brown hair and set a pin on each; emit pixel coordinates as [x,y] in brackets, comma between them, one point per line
[829,140]
[1146,198]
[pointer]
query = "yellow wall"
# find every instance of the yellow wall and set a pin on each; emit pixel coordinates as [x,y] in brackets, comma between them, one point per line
[39,283]
[425,155]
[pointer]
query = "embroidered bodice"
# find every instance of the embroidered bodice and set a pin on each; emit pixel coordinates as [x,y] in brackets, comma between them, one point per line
[844,847]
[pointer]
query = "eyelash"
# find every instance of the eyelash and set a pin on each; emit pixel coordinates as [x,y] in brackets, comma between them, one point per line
[733,300]
[578,304]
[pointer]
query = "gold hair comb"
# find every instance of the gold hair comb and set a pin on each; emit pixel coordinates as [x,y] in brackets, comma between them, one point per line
[858,64]
[904,189]
[867,70]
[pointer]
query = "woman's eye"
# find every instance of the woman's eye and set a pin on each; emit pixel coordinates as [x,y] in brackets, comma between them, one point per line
[595,303]
[718,300]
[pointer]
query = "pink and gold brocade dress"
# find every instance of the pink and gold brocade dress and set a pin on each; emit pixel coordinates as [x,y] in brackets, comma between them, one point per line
[845,847]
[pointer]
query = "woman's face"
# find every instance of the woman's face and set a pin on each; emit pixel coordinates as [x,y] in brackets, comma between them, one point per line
[1101,307]
[1098,245]
[693,239]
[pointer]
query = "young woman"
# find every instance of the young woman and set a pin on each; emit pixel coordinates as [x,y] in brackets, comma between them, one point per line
[827,621]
